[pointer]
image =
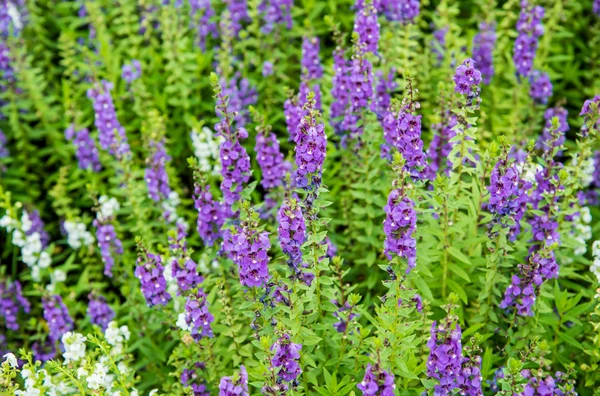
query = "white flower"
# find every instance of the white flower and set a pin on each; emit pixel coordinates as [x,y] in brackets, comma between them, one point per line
[100,378]
[8,222]
[586,216]
[45,261]
[181,323]
[153,392]
[206,150]
[18,238]
[81,372]
[122,367]
[35,274]
[134,392]
[11,359]
[58,276]
[77,235]
[595,267]
[115,335]
[14,14]
[74,344]
[108,207]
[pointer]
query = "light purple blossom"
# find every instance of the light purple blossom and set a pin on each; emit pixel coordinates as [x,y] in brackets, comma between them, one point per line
[149,271]
[483,47]
[86,150]
[530,29]
[99,311]
[57,316]
[197,315]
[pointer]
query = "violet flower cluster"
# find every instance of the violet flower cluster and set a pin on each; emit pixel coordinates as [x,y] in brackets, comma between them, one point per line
[285,358]
[311,145]
[589,115]
[546,140]
[439,149]
[340,88]
[467,80]
[240,94]
[541,87]
[438,44]
[248,249]
[311,63]
[399,226]
[367,27]
[293,112]
[292,231]
[149,271]
[155,174]
[377,382]
[37,226]
[111,133]
[191,379]
[99,311]
[403,11]
[211,216]
[108,242]
[131,71]
[239,387]
[383,89]
[270,160]
[57,316]
[504,188]
[276,12]
[529,27]
[197,315]
[202,14]
[86,150]
[597,7]
[11,302]
[235,164]
[183,268]
[483,47]
[344,314]
[3,149]
[403,132]
[238,14]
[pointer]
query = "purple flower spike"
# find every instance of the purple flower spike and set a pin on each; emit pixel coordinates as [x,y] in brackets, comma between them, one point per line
[377,382]
[541,87]
[270,160]
[285,359]
[367,27]
[87,152]
[311,63]
[530,29]
[150,273]
[292,231]
[239,387]
[483,46]
[197,315]
[311,144]
[156,176]
[399,226]
[57,316]
[99,311]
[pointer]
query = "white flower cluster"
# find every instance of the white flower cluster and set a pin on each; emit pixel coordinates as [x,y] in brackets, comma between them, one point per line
[74,344]
[206,150]
[32,252]
[595,267]
[529,173]
[587,170]
[116,336]
[169,206]
[108,207]
[582,230]
[181,323]
[40,382]
[57,276]
[77,234]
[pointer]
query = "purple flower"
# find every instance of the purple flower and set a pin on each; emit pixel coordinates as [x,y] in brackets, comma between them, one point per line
[541,87]
[418,303]
[267,69]
[238,12]
[202,14]
[235,168]
[440,147]
[57,316]
[438,44]
[403,132]
[285,358]
[43,351]
[110,132]
[467,80]
[530,29]
[3,149]
[293,112]
[311,64]
[190,378]
[504,189]
[248,249]
[276,12]
[399,226]
[547,141]
[340,90]
[183,268]
[344,319]
[197,315]
[377,382]
[404,11]
[131,71]
[383,89]
[270,159]
[445,356]
[311,144]
[99,311]
[11,301]
[241,94]
[483,46]
[597,7]
[87,152]
[367,27]
[150,273]
[156,176]
[229,387]
[292,231]
[37,226]
[108,242]
[591,114]
[361,82]
[211,216]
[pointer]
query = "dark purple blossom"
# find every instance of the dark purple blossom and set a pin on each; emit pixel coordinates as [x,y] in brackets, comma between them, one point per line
[233,387]
[377,382]
[344,314]
[202,15]
[529,27]
[190,378]
[292,109]
[399,226]
[438,44]
[366,26]
[467,80]
[87,152]
[197,315]
[292,231]
[285,358]
[504,188]
[404,11]
[276,12]
[541,87]
[403,132]
[108,242]
[445,356]
[270,159]
[483,46]
[153,283]
[591,114]
[340,90]
[383,89]
[248,249]
[311,63]
[11,302]
[155,174]
[111,133]
[211,216]
[311,145]
[99,311]
[238,13]
[43,350]
[183,268]
[57,316]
